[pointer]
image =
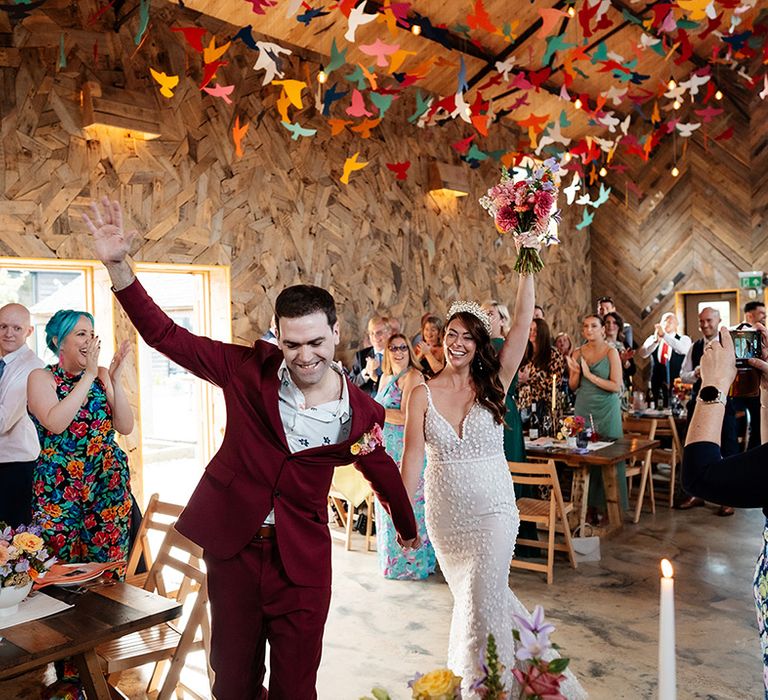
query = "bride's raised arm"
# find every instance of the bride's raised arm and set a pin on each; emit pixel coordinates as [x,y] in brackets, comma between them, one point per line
[517,338]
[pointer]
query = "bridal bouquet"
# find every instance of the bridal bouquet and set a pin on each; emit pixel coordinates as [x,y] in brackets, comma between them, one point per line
[23,555]
[525,209]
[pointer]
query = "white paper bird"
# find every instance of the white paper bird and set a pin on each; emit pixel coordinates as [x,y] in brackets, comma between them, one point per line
[573,188]
[553,135]
[609,121]
[269,55]
[646,41]
[764,92]
[357,17]
[693,84]
[462,109]
[686,130]
[583,200]
[292,7]
[615,94]
[676,93]
[504,67]
[625,125]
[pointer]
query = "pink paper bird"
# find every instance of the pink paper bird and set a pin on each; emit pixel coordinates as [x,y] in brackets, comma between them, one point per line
[549,18]
[222,91]
[379,49]
[258,6]
[358,108]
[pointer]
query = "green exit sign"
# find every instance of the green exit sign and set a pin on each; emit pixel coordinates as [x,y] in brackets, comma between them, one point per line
[751,280]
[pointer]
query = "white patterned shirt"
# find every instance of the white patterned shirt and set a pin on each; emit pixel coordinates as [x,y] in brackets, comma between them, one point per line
[314,426]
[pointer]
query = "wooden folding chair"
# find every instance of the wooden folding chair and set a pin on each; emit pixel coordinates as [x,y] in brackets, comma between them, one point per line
[641,466]
[159,517]
[552,513]
[672,455]
[167,645]
[349,489]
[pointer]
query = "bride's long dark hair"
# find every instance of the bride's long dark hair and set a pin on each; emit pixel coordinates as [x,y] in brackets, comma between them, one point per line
[485,366]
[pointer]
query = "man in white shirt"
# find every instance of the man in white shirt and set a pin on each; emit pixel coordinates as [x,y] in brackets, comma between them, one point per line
[667,349]
[19,445]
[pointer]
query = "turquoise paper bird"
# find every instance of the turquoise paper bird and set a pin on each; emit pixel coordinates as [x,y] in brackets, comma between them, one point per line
[357,76]
[586,220]
[143,21]
[298,130]
[381,102]
[422,105]
[555,44]
[338,59]
[474,153]
[602,196]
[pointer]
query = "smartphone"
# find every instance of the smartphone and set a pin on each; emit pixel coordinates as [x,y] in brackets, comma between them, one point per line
[748,343]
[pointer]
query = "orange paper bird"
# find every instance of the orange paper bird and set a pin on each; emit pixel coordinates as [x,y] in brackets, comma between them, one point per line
[209,72]
[370,77]
[282,105]
[350,165]
[166,82]
[213,53]
[397,58]
[193,35]
[365,126]
[400,169]
[238,134]
[481,19]
[337,125]
[292,88]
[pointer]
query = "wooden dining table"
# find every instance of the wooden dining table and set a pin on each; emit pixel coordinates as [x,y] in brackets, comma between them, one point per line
[606,458]
[100,614]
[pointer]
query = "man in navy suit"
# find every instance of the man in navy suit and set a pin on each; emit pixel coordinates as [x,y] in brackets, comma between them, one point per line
[366,368]
[260,509]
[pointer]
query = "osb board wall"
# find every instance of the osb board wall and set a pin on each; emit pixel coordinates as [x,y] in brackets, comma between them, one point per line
[708,223]
[278,215]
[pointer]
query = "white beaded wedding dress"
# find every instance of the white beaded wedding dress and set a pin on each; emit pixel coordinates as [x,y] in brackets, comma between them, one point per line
[472,521]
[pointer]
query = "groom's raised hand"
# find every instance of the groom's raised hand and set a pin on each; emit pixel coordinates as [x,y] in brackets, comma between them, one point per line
[111,243]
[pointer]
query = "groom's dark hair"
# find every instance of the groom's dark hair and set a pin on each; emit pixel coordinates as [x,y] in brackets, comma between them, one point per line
[302,300]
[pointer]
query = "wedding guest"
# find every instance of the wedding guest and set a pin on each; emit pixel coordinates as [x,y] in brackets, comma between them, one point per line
[271,335]
[541,364]
[754,313]
[614,334]
[499,315]
[595,376]
[81,491]
[400,374]
[418,337]
[429,352]
[260,509]
[538,312]
[19,446]
[366,368]
[740,480]
[667,349]
[564,344]
[604,306]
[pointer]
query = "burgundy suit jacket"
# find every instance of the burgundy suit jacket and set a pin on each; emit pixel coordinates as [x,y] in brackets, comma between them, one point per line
[254,470]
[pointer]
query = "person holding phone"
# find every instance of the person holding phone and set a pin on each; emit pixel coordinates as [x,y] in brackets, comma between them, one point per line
[740,480]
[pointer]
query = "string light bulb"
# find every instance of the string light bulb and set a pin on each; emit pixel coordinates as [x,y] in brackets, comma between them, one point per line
[719,95]
[676,104]
[571,11]
[603,172]
[416,29]
[675,171]
[567,157]
[671,84]
[322,77]
[577,104]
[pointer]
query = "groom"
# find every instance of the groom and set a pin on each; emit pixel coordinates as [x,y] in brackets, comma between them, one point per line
[260,509]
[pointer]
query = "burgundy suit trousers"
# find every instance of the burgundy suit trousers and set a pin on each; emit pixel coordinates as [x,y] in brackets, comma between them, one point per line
[253,602]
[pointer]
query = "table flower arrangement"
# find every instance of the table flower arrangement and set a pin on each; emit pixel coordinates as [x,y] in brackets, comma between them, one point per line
[571,426]
[525,209]
[537,678]
[23,555]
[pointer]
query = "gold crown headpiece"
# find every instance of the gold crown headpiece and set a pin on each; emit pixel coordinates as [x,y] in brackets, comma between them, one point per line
[471,307]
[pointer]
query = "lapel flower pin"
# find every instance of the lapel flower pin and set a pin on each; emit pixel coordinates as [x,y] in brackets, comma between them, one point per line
[369,442]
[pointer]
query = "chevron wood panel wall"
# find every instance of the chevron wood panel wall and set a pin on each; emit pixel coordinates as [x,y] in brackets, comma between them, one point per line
[278,215]
[708,223]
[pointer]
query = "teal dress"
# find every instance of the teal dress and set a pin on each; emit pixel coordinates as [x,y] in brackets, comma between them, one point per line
[514,451]
[394,561]
[605,409]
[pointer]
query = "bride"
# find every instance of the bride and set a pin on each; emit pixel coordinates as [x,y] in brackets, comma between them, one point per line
[470,508]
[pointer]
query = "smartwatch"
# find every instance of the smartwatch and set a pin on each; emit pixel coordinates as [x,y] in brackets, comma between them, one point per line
[711,394]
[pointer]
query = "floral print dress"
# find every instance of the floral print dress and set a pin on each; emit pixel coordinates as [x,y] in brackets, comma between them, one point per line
[394,561]
[81,493]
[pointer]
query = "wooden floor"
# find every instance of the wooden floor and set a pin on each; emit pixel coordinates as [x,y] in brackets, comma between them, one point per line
[382,632]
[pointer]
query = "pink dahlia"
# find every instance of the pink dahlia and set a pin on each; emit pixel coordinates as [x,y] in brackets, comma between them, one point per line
[506,219]
[543,203]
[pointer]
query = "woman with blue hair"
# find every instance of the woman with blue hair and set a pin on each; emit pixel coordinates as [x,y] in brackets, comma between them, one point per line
[81,493]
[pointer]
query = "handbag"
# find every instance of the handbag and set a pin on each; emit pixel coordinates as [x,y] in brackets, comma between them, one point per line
[586,547]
